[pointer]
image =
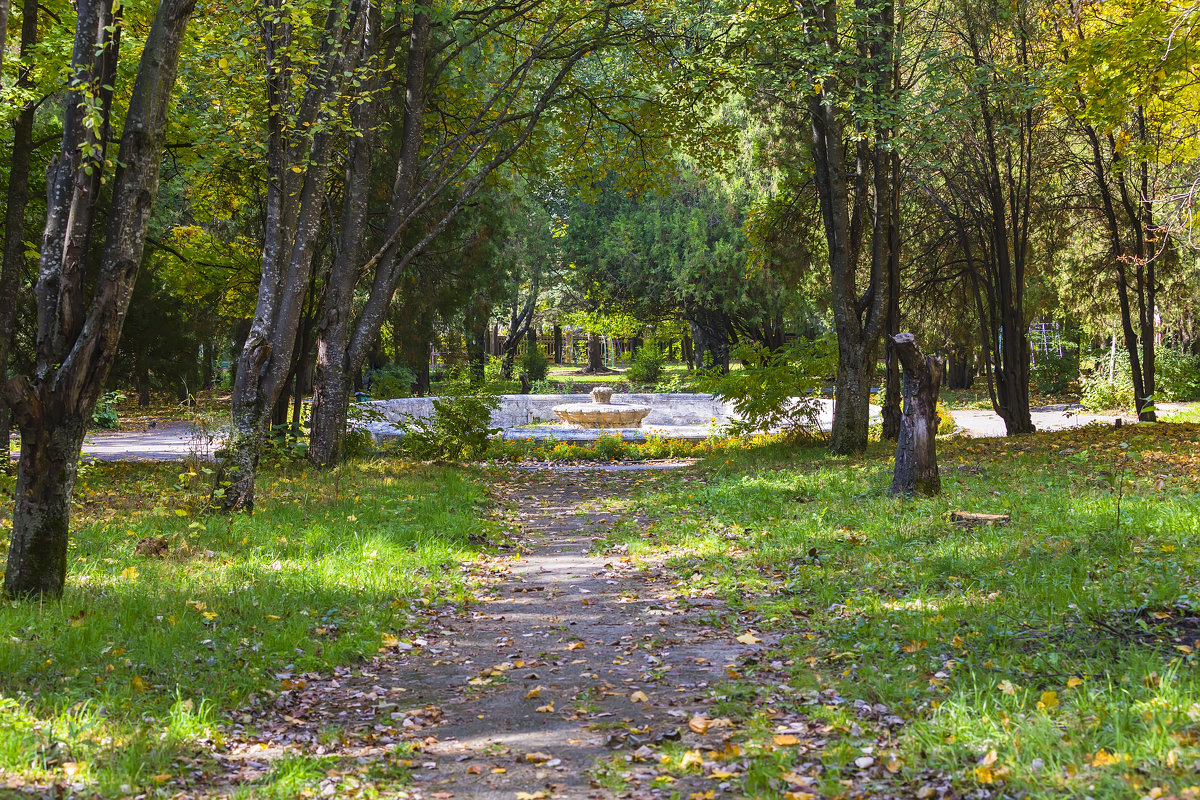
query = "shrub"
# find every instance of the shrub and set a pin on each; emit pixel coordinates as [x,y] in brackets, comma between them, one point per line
[1177,375]
[388,383]
[1053,374]
[1101,394]
[459,429]
[104,415]
[646,365]
[777,390]
[534,363]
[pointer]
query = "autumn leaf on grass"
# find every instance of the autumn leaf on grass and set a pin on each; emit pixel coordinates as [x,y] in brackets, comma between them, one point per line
[139,683]
[1049,700]
[1105,759]
[749,638]
[129,573]
[389,640]
[691,758]
[786,740]
[984,772]
[1008,688]
[699,724]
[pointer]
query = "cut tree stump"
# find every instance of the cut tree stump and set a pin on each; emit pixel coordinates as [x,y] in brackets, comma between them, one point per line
[971,518]
[916,449]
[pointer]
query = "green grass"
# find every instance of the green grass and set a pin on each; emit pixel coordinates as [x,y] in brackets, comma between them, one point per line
[133,673]
[1065,642]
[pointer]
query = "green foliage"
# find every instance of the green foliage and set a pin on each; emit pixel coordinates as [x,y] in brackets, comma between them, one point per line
[105,413]
[1102,394]
[392,381]
[646,365]
[1176,375]
[534,363]
[1053,374]
[459,430]
[777,390]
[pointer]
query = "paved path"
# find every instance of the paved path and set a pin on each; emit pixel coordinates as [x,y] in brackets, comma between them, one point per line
[568,661]
[978,423]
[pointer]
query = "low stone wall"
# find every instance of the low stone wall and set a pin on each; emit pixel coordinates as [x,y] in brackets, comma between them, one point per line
[523,409]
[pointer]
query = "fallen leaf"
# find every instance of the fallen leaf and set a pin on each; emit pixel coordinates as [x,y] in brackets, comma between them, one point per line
[1105,759]
[538,758]
[546,709]
[691,758]
[533,694]
[749,638]
[925,792]
[699,724]
[786,740]
[1073,682]
[1049,700]
[575,646]
[138,683]
[1007,687]
[639,697]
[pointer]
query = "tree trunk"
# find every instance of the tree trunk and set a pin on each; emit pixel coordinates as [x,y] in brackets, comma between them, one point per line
[595,352]
[685,351]
[77,344]
[37,557]
[916,469]
[891,396]
[14,222]
[852,404]
[558,345]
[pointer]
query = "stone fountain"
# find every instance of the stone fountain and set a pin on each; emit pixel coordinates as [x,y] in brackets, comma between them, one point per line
[601,412]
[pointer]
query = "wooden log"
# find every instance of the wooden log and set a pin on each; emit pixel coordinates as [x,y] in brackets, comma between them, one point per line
[916,470]
[972,518]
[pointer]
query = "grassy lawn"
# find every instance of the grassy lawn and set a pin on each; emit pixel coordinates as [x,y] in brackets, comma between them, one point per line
[128,680]
[1051,657]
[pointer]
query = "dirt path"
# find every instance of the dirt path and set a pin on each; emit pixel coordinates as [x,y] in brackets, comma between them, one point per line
[570,661]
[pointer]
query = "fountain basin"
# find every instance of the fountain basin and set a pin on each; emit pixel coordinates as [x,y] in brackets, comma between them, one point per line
[602,412]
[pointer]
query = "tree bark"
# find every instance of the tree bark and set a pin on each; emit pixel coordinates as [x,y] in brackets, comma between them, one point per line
[75,350]
[595,351]
[916,469]
[558,345]
[16,202]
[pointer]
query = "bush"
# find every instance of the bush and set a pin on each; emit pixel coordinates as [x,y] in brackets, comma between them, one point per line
[777,390]
[1177,375]
[1053,374]
[459,429]
[534,363]
[104,415]
[646,365]
[1101,394]
[388,383]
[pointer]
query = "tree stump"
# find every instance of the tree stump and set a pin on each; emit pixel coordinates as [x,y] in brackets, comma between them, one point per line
[916,451]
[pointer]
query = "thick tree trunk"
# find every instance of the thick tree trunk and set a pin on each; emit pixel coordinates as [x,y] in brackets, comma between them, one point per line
[595,351]
[852,404]
[916,469]
[37,557]
[558,345]
[891,411]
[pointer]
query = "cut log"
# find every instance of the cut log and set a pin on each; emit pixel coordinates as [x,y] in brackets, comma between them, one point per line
[971,518]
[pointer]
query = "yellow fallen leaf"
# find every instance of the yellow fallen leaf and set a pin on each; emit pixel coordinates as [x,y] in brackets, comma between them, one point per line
[1007,687]
[786,740]
[989,759]
[70,768]
[749,638]
[575,646]
[129,573]
[984,775]
[546,709]
[538,758]
[533,694]
[895,765]
[499,770]
[721,774]
[699,724]
[209,615]
[1073,682]
[389,640]
[639,697]
[799,796]
[1105,759]
[1049,700]
[691,758]
[925,792]
[273,618]
[138,683]
[163,777]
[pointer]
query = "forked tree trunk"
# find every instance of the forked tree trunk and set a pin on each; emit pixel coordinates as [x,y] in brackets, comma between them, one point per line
[916,450]
[77,342]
